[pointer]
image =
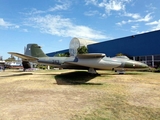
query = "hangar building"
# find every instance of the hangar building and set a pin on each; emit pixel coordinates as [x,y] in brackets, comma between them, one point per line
[141,47]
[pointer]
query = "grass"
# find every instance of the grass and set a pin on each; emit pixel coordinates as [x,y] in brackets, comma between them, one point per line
[77,95]
[114,105]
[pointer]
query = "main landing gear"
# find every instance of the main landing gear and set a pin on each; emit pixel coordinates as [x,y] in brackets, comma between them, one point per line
[92,71]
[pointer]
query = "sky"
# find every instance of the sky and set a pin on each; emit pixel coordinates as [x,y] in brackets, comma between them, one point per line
[53,23]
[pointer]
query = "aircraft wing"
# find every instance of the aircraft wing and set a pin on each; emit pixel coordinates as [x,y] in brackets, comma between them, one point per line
[26,57]
[82,57]
[91,55]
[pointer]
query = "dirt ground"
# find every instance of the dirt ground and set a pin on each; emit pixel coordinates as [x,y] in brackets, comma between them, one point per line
[65,95]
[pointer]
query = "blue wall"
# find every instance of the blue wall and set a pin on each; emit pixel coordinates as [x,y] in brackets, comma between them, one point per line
[54,53]
[137,45]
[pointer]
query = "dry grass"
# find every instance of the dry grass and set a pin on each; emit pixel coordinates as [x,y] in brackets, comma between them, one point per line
[56,95]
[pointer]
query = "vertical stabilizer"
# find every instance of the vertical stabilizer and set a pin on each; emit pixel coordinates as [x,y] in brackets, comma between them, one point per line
[34,50]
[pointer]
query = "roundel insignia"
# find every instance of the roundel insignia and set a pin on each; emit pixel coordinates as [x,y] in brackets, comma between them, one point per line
[76,59]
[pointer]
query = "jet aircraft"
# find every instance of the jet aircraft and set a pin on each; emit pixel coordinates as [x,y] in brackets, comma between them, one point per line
[89,61]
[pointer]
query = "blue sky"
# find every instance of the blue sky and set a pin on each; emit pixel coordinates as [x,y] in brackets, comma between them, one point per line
[53,23]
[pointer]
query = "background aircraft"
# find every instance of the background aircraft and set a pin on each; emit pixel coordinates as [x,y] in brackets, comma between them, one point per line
[90,61]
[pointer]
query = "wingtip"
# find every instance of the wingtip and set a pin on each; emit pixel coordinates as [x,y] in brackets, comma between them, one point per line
[11,52]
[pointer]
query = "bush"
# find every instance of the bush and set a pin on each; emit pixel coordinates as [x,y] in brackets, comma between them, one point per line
[157,70]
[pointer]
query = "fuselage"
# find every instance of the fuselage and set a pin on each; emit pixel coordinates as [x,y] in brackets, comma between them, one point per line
[96,63]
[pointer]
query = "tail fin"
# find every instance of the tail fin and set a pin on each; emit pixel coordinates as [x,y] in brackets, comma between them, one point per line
[34,50]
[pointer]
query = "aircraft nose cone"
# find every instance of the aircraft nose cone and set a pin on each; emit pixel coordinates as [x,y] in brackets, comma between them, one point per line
[135,64]
[140,65]
[144,65]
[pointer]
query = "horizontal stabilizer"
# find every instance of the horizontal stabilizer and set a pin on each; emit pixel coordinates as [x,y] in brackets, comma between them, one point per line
[26,57]
[91,55]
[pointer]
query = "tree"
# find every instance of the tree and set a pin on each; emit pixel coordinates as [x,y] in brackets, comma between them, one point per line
[12,58]
[82,50]
[66,54]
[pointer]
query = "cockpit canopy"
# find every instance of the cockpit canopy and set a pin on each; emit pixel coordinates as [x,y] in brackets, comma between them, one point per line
[123,57]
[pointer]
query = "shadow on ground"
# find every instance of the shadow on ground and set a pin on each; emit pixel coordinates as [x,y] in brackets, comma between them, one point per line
[17,74]
[126,73]
[75,78]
